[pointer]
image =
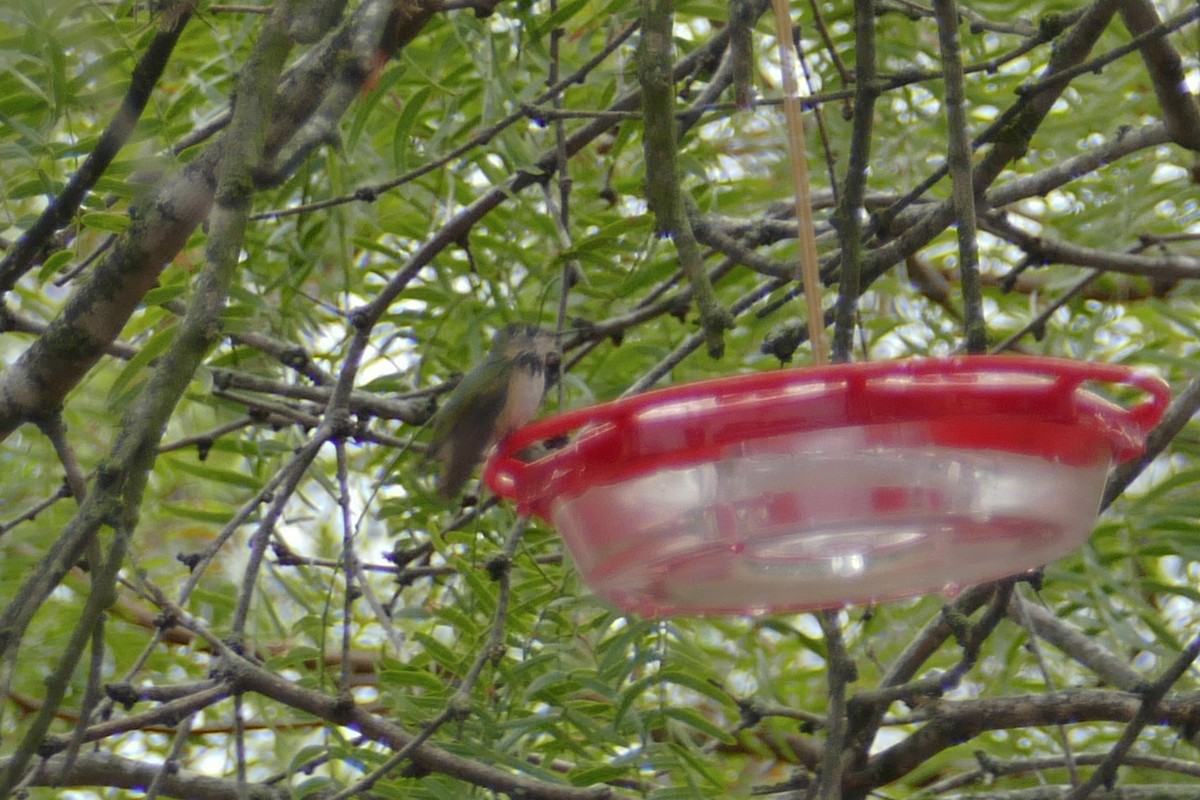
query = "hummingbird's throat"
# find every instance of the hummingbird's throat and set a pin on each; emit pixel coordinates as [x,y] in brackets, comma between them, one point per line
[530,361]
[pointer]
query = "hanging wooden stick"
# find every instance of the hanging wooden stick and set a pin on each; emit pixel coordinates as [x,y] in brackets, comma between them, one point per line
[808,271]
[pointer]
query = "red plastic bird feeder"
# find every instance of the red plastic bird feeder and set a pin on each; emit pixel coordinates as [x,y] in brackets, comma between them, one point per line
[817,487]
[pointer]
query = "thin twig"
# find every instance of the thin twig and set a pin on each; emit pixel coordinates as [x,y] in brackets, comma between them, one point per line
[831,51]
[1038,323]
[818,110]
[372,192]
[959,161]
[63,207]
[459,704]
[350,562]
[1026,621]
[849,225]
[839,672]
[179,741]
[91,694]
[1152,694]
[664,196]
[56,432]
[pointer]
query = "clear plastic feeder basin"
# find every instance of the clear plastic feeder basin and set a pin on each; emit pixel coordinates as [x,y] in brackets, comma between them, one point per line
[817,487]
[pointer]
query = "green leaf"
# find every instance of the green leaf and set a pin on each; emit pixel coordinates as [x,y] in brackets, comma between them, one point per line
[105,221]
[440,653]
[136,370]
[558,18]
[550,687]
[631,694]
[405,122]
[700,685]
[312,787]
[397,678]
[210,472]
[161,295]
[695,719]
[214,513]
[600,774]
[55,262]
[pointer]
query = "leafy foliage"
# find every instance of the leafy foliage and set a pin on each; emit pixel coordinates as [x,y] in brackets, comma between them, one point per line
[298,612]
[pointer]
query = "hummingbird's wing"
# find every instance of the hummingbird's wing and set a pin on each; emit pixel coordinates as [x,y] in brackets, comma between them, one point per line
[463,427]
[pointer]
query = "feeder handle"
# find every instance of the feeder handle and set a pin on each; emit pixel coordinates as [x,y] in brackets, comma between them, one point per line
[504,472]
[1144,415]
[615,415]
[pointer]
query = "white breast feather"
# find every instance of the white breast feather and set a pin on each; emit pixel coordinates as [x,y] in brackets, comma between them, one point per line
[524,396]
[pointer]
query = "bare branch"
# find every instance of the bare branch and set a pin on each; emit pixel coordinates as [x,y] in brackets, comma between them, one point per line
[105,769]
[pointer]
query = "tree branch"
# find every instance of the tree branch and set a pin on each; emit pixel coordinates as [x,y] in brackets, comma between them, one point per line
[103,769]
[117,496]
[160,225]
[1147,713]
[949,723]
[1167,266]
[58,213]
[656,55]
[958,158]
[849,225]
[1180,113]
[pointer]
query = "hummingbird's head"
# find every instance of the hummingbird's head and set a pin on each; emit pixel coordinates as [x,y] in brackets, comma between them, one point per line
[526,345]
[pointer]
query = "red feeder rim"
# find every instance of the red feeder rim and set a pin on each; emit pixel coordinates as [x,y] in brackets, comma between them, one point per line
[625,438]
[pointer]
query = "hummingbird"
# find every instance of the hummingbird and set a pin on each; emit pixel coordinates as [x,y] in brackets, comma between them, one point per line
[491,401]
